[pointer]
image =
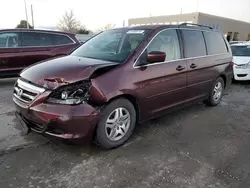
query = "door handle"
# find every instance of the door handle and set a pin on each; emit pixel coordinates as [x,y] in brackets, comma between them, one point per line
[3,61]
[180,68]
[193,66]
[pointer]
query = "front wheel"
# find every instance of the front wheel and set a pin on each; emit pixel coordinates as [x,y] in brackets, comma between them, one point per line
[216,93]
[116,124]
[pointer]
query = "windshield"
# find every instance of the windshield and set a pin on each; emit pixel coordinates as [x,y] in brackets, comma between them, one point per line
[241,50]
[112,45]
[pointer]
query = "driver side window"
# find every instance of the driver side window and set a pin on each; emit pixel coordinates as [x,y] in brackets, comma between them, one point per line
[166,41]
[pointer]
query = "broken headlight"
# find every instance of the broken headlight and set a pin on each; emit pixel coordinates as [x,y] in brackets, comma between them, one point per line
[71,94]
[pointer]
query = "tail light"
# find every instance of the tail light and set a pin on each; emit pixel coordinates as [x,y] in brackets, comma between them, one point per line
[232,62]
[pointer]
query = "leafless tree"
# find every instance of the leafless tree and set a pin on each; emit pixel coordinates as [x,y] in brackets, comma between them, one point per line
[107,27]
[23,24]
[69,23]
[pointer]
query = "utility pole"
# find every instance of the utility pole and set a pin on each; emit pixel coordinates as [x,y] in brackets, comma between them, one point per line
[32,17]
[26,14]
[197,6]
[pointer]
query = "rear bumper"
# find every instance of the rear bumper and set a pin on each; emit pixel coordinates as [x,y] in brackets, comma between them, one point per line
[75,123]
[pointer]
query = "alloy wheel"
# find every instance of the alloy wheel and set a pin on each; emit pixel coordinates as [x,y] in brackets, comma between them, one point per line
[217,91]
[117,124]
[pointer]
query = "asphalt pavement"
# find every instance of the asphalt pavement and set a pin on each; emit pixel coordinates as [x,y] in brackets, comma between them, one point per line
[195,147]
[10,131]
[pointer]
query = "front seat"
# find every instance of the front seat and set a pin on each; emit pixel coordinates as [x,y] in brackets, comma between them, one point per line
[168,48]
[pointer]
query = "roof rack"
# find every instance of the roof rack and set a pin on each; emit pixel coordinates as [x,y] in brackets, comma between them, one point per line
[192,24]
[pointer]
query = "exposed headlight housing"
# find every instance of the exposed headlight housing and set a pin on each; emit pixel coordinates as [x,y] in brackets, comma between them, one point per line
[72,94]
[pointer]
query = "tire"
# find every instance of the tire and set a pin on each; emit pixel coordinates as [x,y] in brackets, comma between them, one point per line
[109,113]
[212,100]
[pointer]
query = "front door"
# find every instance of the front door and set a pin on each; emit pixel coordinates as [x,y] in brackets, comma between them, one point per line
[163,84]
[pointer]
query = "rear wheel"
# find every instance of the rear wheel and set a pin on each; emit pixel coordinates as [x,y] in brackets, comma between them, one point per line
[116,124]
[216,92]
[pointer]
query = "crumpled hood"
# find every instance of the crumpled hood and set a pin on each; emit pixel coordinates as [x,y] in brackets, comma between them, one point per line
[241,60]
[62,71]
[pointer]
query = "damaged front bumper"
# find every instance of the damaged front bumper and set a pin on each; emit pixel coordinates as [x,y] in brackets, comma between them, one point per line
[71,122]
[60,121]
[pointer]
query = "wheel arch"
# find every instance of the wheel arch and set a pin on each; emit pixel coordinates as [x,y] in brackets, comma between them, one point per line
[223,76]
[131,99]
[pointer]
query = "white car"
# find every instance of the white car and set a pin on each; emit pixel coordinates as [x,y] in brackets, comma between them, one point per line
[236,42]
[241,56]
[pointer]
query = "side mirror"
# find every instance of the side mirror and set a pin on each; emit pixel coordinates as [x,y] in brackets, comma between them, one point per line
[156,56]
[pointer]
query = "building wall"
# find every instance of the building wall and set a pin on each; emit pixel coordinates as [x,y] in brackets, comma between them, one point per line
[224,25]
[228,25]
[172,19]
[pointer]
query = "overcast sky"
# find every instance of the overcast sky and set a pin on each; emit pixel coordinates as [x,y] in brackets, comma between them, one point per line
[96,13]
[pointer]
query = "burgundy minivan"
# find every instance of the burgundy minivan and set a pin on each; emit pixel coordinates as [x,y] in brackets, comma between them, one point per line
[20,48]
[122,77]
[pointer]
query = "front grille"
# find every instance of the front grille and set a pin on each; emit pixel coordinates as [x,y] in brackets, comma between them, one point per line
[26,92]
[241,75]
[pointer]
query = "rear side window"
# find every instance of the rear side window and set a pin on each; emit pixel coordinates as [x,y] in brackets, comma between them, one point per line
[194,44]
[33,39]
[9,40]
[60,39]
[215,43]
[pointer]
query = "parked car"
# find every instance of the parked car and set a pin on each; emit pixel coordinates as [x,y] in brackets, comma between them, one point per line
[83,37]
[102,92]
[20,48]
[236,42]
[241,56]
